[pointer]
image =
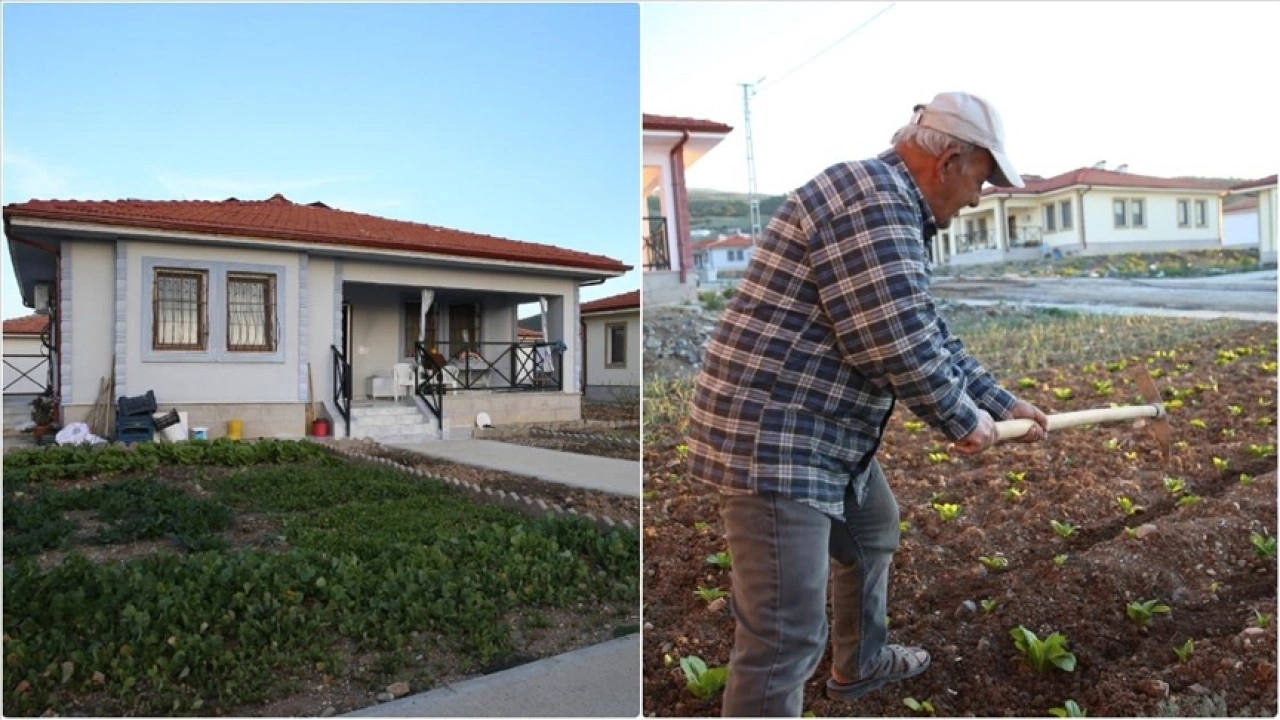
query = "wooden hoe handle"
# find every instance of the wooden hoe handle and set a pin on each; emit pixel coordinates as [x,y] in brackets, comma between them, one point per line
[1010,429]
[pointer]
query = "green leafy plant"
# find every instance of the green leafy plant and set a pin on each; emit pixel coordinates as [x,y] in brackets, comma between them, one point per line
[1013,493]
[1117,366]
[1042,655]
[912,426]
[994,563]
[1188,500]
[904,526]
[1127,506]
[923,707]
[702,681]
[1245,480]
[720,560]
[1184,652]
[988,604]
[1220,464]
[1264,546]
[1261,451]
[1063,529]
[1140,612]
[1131,532]
[1197,423]
[1111,444]
[1064,393]
[1026,383]
[1235,410]
[1174,486]
[939,457]
[710,594]
[947,511]
[1060,560]
[1068,709]
[1015,478]
[1261,620]
[1103,388]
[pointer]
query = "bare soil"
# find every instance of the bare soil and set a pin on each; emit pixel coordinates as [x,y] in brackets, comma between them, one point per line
[1196,558]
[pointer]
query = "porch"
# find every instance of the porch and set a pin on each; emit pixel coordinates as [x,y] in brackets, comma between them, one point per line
[410,363]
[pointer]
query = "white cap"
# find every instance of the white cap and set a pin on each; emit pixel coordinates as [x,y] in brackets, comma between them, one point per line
[973,119]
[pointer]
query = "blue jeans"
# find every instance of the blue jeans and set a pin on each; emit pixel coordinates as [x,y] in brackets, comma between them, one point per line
[783,555]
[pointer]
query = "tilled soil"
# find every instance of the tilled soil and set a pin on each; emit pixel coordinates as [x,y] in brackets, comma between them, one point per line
[1194,556]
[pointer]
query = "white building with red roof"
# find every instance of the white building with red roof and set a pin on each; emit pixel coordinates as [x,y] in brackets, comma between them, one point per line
[1085,211]
[671,146]
[724,258]
[611,347]
[237,309]
[1254,217]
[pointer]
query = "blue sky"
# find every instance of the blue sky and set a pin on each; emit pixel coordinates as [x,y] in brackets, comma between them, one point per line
[1173,88]
[520,121]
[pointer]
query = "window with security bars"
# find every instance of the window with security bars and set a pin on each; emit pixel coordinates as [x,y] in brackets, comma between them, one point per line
[180,310]
[251,312]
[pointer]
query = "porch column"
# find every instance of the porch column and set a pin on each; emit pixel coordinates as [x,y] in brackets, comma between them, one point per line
[667,203]
[952,242]
[1080,219]
[1002,227]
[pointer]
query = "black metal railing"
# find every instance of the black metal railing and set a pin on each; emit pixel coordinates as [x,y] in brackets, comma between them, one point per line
[656,255]
[428,381]
[497,366]
[1026,237]
[342,386]
[40,388]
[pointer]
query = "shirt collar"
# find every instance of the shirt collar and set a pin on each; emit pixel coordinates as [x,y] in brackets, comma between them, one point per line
[891,158]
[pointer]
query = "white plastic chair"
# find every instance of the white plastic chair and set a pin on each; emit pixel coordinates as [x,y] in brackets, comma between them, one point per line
[402,375]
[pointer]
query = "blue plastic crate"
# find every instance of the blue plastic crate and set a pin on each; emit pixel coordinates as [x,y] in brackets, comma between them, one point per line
[131,437]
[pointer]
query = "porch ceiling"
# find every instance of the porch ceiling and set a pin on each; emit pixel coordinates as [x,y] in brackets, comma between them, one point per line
[447,296]
[32,265]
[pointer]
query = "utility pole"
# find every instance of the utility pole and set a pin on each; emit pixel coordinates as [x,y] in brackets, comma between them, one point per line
[748,91]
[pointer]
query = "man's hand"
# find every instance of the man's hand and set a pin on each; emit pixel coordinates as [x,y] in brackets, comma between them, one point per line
[1025,410]
[982,437]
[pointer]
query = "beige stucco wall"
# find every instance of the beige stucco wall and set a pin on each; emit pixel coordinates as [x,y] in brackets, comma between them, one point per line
[597,372]
[1161,231]
[92,319]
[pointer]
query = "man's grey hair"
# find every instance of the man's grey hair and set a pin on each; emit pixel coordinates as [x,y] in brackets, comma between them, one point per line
[931,141]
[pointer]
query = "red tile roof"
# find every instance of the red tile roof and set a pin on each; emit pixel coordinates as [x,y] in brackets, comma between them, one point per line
[625,301]
[680,124]
[279,219]
[733,241]
[527,334]
[1256,184]
[29,325]
[1246,202]
[1036,185]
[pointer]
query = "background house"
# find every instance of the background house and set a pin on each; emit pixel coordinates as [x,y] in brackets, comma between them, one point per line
[724,258]
[26,367]
[671,144]
[238,309]
[1260,196]
[611,328]
[1085,211]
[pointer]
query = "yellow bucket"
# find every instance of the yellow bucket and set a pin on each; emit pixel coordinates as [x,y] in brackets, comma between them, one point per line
[234,427]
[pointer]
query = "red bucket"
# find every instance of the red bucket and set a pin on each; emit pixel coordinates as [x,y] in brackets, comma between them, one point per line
[320,427]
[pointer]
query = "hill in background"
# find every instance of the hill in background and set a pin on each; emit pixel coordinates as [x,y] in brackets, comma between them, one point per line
[722,211]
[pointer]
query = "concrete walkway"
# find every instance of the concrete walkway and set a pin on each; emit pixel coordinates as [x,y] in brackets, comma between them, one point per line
[598,681]
[620,477]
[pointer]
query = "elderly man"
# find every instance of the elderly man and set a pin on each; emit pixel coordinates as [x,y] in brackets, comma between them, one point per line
[832,324]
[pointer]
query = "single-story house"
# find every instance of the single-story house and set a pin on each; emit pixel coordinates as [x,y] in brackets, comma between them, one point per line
[611,346]
[1087,211]
[671,145]
[723,259]
[1239,221]
[1261,194]
[251,309]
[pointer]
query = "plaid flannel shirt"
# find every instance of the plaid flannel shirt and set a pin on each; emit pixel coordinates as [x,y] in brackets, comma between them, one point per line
[832,321]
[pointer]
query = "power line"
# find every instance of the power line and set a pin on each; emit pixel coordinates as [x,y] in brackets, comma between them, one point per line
[824,51]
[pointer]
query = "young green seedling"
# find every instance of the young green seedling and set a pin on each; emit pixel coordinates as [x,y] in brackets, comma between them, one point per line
[1184,652]
[1264,546]
[1235,410]
[648,494]
[994,563]
[702,682]
[1245,480]
[912,426]
[1015,478]
[1063,393]
[1197,423]
[1013,493]
[1026,383]
[1103,387]
[1043,654]
[1261,451]
[720,560]
[1220,464]
[1261,620]
[1213,587]
[1068,709]
[939,457]
[700,526]
[988,604]
[1111,444]
[1140,612]
[1127,506]
[1064,530]
[1188,500]
[1060,560]
[710,594]
[924,707]
[903,527]
[1174,486]
[947,511]
[1131,532]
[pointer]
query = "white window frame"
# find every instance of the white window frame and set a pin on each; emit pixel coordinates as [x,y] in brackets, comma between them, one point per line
[1202,213]
[1120,213]
[1183,205]
[1065,208]
[1138,203]
[1050,218]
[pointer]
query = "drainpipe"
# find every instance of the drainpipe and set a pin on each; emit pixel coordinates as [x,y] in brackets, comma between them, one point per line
[55,312]
[681,197]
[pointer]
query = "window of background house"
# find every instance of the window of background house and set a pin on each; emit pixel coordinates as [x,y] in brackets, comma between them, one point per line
[1184,213]
[1137,211]
[1065,207]
[1050,221]
[1202,213]
[251,312]
[180,309]
[1120,209]
[615,351]
[412,317]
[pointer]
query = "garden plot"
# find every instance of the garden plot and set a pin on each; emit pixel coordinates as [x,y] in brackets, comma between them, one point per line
[276,579]
[1158,580]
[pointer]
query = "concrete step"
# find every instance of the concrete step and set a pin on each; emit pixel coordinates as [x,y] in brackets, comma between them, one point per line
[384,411]
[388,420]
